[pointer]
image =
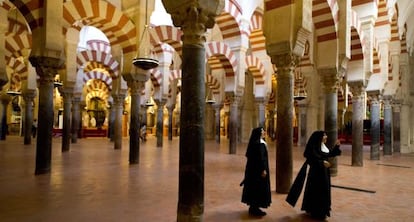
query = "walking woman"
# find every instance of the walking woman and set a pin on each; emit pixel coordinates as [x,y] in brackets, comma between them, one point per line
[317,195]
[256,183]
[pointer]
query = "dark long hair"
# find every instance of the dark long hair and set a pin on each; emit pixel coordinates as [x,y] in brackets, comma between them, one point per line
[254,139]
[314,144]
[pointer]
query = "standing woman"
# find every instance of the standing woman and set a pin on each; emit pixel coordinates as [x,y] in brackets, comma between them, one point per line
[317,196]
[256,190]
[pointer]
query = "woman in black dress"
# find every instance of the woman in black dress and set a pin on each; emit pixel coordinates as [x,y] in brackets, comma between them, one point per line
[256,190]
[317,195]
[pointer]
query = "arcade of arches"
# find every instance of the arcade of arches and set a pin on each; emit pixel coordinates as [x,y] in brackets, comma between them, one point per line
[224,67]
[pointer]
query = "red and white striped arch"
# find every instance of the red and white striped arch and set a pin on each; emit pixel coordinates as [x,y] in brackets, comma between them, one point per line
[256,68]
[98,13]
[175,74]
[213,83]
[100,75]
[325,18]
[97,88]
[105,59]
[166,34]
[230,19]
[99,45]
[383,17]
[224,55]
[356,37]
[156,78]
[257,39]
[32,11]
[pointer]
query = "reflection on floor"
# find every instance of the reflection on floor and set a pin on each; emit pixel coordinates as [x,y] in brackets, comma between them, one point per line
[94,182]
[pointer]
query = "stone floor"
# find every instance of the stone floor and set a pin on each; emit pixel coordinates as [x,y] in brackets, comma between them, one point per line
[94,182]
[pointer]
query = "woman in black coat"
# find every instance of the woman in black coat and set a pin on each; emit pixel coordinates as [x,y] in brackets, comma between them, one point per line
[256,190]
[317,195]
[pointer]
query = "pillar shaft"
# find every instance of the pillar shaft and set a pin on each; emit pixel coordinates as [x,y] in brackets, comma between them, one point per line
[330,80]
[170,121]
[28,97]
[66,132]
[285,64]
[387,148]
[396,129]
[234,122]
[75,119]
[117,127]
[134,124]
[217,108]
[46,69]
[358,89]
[160,121]
[5,100]
[375,128]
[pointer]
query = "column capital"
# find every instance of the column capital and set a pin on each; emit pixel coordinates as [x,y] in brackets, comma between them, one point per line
[136,87]
[330,79]
[46,67]
[357,88]
[28,94]
[194,17]
[233,97]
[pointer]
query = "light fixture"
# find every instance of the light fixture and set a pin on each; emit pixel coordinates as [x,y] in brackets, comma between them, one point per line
[210,98]
[12,92]
[144,59]
[299,92]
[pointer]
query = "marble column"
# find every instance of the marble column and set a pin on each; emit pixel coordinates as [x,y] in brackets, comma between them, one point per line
[260,102]
[234,122]
[387,147]
[396,129]
[28,97]
[111,122]
[358,89]
[330,80]
[194,18]
[170,121]
[302,134]
[76,113]
[285,64]
[217,107]
[209,122]
[117,126]
[134,124]
[375,126]
[160,121]
[46,69]
[5,100]
[67,94]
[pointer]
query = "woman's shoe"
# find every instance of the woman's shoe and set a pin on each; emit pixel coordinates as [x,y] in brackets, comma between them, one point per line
[256,212]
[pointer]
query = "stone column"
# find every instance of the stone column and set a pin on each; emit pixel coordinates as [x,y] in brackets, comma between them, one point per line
[111,122]
[358,89]
[217,107]
[396,129]
[302,134]
[260,102]
[285,64]
[387,147]
[160,121]
[76,113]
[209,122]
[117,125]
[234,122]
[194,17]
[170,121]
[375,125]
[134,124]
[46,69]
[5,100]
[67,94]
[28,97]
[330,80]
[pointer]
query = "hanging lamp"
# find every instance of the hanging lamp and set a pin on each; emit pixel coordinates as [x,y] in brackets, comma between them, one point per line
[299,91]
[144,59]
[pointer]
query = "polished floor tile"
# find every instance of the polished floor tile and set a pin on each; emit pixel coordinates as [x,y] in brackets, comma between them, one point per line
[94,182]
